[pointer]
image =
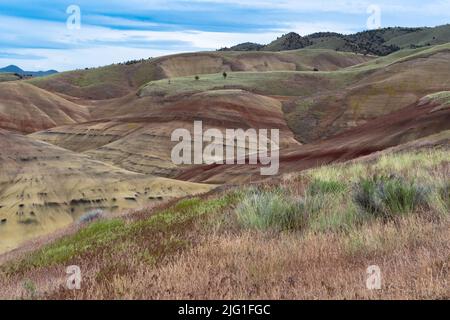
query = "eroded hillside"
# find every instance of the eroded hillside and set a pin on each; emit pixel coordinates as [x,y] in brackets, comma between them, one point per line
[140,138]
[26,108]
[44,188]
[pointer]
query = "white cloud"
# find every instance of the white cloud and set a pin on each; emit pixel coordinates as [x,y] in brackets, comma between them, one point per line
[86,47]
[95,45]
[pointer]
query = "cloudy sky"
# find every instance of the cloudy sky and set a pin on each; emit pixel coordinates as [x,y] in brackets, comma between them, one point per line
[35,34]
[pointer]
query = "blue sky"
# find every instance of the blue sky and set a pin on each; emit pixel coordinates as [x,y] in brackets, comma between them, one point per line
[35,36]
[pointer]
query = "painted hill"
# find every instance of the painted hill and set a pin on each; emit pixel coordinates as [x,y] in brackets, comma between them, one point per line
[44,188]
[133,132]
[26,108]
[369,91]
[318,105]
[137,137]
[379,42]
[430,116]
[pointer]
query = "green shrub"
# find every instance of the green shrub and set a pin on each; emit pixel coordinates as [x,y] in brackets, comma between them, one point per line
[263,210]
[91,215]
[318,186]
[388,196]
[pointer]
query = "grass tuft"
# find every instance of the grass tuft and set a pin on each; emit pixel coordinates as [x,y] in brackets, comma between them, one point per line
[389,196]
[264,210]
[321,187]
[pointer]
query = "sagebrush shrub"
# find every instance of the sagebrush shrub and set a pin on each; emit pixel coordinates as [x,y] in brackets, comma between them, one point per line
[91,216]
[388,196]
[318,186]
[270,210]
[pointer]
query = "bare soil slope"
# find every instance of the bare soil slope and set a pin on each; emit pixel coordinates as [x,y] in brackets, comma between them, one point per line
[26,108]
[372,93]
[44,188]
[425,118]
[140,139]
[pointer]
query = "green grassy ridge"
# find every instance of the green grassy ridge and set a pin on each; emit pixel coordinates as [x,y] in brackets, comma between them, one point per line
[282,82]
[302,58]
[401,56]
[8,77]
[269,83]
[442,97]
[423,37]
[142,72]
[116,74]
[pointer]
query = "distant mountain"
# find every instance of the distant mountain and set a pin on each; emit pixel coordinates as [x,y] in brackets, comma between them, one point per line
[379,42]
[11,69]
[19,71]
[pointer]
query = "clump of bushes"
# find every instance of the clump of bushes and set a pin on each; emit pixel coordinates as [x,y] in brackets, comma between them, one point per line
[264,209]
[389,196]
[91,216]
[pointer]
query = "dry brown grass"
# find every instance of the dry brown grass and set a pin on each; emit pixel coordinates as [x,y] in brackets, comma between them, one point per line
[414,256]
[314,267]
[255,266]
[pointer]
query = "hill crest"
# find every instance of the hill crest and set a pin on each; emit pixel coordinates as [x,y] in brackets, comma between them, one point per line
[378,42]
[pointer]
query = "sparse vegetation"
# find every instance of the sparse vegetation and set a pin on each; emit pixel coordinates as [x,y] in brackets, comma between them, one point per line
[9,77]
[91,216]
[271,209]
[270,239]
[318,186]
[30,290]
[389,196]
